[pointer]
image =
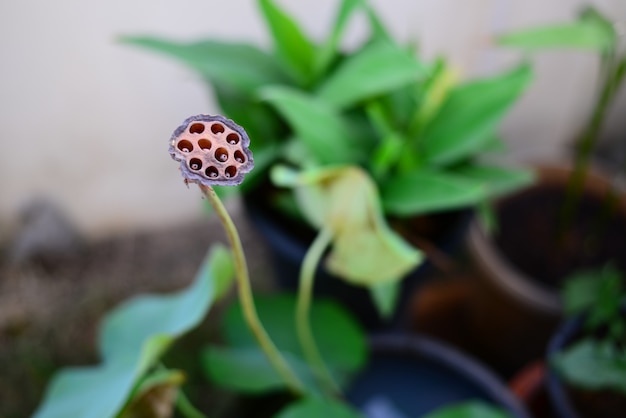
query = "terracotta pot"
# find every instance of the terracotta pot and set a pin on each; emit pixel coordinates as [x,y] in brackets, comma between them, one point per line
[512,314]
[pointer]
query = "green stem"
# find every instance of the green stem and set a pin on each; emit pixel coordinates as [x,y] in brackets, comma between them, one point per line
[613,78]
[245,296]
[185,407]
[303,308]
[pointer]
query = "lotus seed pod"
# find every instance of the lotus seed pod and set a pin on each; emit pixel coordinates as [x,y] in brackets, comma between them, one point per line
[212,150]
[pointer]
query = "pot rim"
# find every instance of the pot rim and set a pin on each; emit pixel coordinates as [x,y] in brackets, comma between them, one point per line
[558,395]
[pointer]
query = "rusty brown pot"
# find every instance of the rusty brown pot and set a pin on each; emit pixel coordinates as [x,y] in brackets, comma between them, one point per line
[512,312]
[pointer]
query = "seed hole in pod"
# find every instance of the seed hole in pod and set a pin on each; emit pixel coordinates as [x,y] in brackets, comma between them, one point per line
[196,128]
[217,128]
[195,164]
[185,146]
[204,144]
[239,157]
[221,155]
[211,172]
[231,171]
[233,138]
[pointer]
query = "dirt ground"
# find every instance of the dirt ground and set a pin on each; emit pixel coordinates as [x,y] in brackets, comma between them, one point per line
[49,314]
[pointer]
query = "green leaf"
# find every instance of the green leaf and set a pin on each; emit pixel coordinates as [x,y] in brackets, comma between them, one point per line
[470,409]
[248,370]
[385,296]
[391,142]
[344,199]
[585,34]
[599,292]
[242,66]
[470,114]
[377,69]
[589,364]
[329,49]
[132,338]
[497,180]
[292,46]
[318,407]
[424,191]
[339,337]
[324,132]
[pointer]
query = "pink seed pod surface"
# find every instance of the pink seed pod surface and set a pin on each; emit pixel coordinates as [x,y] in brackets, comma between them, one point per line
[212,150]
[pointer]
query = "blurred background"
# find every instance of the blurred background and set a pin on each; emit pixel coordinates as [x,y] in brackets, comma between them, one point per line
[85,120]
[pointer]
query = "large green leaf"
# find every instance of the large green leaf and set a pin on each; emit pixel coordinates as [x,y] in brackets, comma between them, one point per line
[292,46]
[132,337]
[345,200]
[327,135]
[423,191]
[377,69]
[311,407]
[497,180]
[339,337]
[470,114]
[241,66]
[593,365]
[470,409]
[248,370]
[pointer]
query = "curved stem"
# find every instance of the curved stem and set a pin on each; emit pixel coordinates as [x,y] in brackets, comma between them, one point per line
[303,324]
[245,296]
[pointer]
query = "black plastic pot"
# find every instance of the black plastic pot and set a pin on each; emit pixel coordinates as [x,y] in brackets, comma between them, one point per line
[569,402]
[288,242]
[417,375]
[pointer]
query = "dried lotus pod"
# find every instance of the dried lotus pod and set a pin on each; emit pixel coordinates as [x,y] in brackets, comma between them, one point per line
[212,150]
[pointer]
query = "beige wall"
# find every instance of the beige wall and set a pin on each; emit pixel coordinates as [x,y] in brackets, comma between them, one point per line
[86,121]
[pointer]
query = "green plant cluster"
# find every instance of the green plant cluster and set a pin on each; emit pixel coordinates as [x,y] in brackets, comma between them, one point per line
[596,360]
[376,118]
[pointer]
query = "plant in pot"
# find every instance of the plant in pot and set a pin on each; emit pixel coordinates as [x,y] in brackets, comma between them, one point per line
[306,350]
[588,354]
[571,219]
[375,119]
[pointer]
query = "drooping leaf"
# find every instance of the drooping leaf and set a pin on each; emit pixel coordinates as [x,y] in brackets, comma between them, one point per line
[497,180]
[339,337]
[312,407]
[132,337]
[469,116]
[292,46]
[344,199]
[385,297]
[593,365]
[423,191]
[325,133]
[470,409]
[377,69]
[248,369]
[242,66]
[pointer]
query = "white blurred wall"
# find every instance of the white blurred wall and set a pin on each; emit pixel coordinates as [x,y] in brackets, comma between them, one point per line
[85,120]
